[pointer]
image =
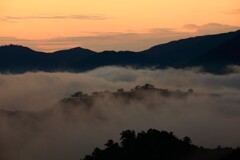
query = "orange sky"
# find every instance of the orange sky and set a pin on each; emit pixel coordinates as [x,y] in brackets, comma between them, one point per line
[47,19]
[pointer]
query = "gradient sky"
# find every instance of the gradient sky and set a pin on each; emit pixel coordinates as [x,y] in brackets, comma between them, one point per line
[108,24]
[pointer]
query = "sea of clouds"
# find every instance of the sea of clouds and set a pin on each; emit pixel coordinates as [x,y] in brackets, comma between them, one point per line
[211,116]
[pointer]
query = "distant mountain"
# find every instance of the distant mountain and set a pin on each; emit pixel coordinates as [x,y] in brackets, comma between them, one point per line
[77,50]
[223,55]
[180,53]
[211,52]
[17,59]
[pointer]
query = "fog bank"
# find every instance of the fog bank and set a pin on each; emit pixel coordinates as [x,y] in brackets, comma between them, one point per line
[210,116]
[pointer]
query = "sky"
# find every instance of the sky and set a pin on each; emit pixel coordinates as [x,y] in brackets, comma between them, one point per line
[49,25]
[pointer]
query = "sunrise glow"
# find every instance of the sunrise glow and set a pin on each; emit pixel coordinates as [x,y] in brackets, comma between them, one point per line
[54,19]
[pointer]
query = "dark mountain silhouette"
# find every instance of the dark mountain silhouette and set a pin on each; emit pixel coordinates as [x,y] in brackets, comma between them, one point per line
[163,145]
[227,53]
[180,53]
[77,50]
[211,52]
[17,59]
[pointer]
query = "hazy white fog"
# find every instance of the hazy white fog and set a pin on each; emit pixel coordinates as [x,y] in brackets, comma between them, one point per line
[211,117]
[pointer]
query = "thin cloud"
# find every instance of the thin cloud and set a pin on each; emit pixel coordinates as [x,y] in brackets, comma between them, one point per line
[57,17]
[4,19]
[210,28]
[163,30]
[122,41]
[235,11]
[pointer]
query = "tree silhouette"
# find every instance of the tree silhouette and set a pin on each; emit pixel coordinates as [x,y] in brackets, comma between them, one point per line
[128,137]
[159,145]
[187,140]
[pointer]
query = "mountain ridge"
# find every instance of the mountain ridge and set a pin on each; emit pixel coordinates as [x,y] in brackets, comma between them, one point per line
[188,52]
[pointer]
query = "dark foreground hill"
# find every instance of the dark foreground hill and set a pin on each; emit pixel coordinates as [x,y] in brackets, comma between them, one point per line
[211,52]
[159,145]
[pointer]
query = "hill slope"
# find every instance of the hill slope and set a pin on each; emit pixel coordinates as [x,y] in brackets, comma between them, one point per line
[225,54]
[216,51]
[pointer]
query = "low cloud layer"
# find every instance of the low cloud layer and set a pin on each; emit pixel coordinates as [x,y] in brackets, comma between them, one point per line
[210,116]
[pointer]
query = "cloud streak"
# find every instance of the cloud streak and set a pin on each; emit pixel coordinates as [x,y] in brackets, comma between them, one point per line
[56,17]
[236,11]
[212,28]
[121,41]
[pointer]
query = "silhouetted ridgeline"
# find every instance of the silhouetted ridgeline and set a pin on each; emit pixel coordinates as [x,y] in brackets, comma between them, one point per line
[139,93]
[80,102]
[213,53]
[159,145]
